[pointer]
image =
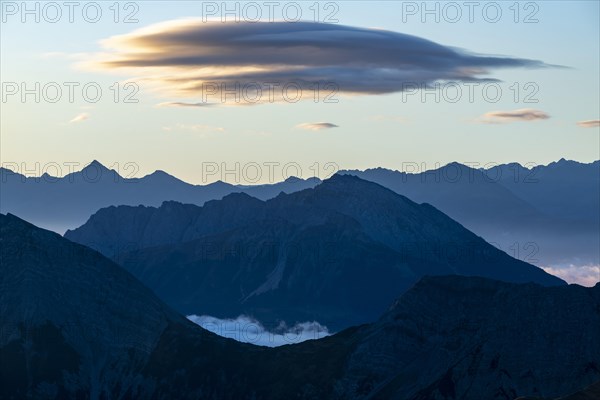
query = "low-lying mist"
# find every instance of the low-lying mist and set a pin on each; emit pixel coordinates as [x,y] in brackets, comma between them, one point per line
[249,330]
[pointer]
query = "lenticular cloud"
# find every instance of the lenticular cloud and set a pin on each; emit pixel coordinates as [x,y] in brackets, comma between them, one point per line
[188,56]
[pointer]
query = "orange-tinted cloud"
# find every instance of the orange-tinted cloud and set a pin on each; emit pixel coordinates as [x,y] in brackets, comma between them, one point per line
[523,114]
[190,58]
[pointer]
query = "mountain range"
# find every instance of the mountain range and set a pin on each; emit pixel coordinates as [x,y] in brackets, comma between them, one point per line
[546,215]
[338,253]
[61,203]
[75,325]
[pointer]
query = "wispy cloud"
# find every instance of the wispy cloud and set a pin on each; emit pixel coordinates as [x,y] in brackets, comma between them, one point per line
[523,114]
[316,126]
[592,123]
[80,118]
[185,55]
[248,330]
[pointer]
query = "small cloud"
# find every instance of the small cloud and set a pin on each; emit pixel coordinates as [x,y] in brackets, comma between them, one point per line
[316,126]
[523,114]
[592,123]
[80,118]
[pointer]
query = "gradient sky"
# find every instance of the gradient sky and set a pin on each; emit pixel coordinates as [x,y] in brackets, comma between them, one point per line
[372,130]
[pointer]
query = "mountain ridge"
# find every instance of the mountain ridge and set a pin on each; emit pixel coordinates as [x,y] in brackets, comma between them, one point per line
[297,257]
[61,203]
[111,337]
[546,214]
[522,211]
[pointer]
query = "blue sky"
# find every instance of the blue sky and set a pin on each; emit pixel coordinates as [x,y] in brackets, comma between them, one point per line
[372,129]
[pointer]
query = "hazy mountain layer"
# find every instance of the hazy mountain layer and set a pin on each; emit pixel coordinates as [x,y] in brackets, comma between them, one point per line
[546,215]
[65,203]
[337,254]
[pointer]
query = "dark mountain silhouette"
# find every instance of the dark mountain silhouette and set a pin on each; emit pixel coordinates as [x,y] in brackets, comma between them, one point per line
[338,253]
[455,337]
[473,338]
[591,392]
[75,325]
[62,203]
[547,215]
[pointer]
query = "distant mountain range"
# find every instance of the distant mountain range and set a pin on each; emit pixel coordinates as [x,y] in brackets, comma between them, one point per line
[64,203]
[546,215]
[75,325]
[338,253]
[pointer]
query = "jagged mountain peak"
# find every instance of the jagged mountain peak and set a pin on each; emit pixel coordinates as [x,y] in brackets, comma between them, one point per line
[96,165]
[353,183]
[221,184]
[239,197]
[293,179]
[162,176]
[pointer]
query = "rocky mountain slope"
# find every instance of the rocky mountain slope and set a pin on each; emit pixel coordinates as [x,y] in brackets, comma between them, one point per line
[338,253]
[74,325]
